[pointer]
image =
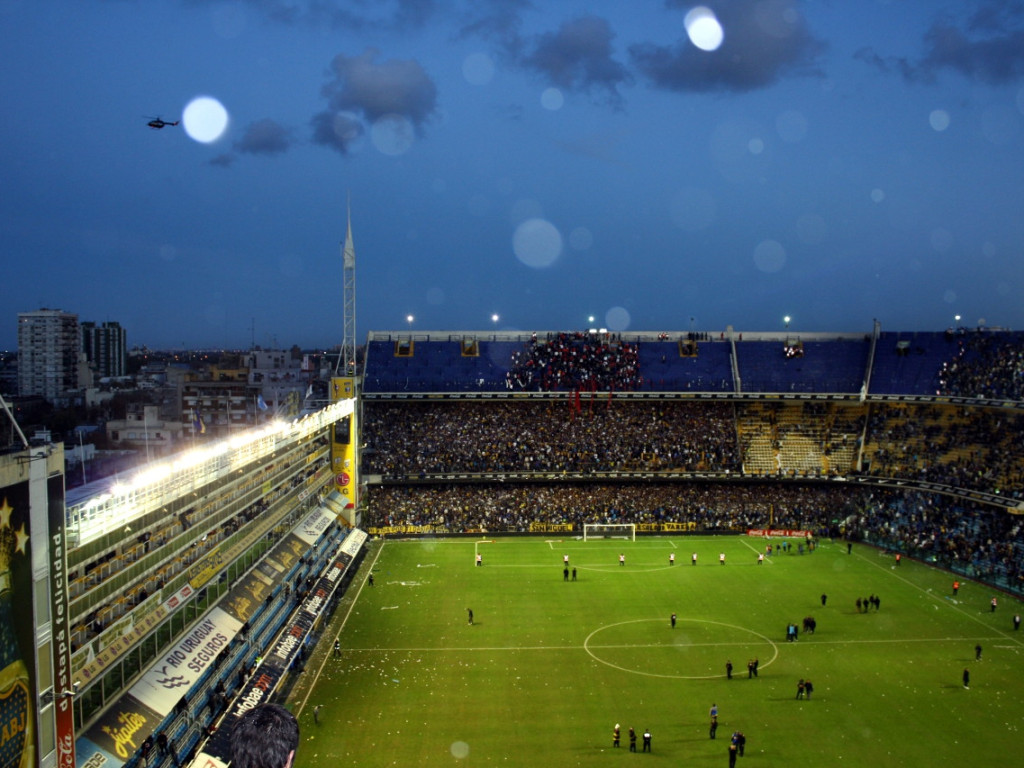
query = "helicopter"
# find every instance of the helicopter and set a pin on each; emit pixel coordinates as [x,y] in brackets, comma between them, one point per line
[157,123]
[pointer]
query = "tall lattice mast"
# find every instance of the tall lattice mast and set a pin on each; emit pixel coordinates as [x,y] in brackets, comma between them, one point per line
[346,365]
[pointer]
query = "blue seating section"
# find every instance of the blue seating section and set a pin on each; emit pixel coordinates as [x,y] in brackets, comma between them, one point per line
[826,366]
[665,371]
[915,371]
[904,363]
[438,366]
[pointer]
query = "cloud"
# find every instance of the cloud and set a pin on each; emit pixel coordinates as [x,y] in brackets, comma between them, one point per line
[498,21]
[987,46]
[886,64]
[265,137]
[338,131]
[578,58]
[360,88]
[764,41]
[996,59]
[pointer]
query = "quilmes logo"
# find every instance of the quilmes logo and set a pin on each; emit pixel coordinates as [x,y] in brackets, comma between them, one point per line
[170,681]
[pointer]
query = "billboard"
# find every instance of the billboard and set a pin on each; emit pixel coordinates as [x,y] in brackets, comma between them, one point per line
[17,666]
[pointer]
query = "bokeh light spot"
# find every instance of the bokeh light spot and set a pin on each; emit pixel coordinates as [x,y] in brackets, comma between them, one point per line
[877,195]
[552,99]
[769,256]
[478,69]
[460,750]
[703,28]
[392,134]
[537,243]
[938,119]
[205,119]
[617,319]
[755,146]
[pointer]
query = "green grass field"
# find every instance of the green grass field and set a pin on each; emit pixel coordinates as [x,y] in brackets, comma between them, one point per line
[548,667]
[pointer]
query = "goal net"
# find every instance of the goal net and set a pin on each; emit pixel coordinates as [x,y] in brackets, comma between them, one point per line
[609,531]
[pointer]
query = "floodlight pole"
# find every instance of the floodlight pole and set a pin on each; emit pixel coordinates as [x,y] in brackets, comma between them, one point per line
[17,428]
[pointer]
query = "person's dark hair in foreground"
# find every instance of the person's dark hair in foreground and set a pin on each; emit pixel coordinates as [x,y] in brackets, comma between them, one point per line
[264,737]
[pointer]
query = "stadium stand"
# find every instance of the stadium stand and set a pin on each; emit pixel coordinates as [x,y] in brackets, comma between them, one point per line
[523,432]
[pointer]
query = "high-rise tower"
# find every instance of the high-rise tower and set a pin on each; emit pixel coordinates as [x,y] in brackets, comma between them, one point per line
[49,343]
[105,347]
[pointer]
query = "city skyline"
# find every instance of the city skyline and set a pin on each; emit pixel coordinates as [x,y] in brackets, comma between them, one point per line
[542,164]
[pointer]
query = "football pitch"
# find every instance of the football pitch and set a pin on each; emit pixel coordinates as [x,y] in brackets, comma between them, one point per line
[548,667]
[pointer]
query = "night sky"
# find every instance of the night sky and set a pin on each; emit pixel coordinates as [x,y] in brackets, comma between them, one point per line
[836,161]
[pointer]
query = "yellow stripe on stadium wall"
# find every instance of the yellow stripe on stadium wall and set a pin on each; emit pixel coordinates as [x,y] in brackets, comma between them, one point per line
[343,442]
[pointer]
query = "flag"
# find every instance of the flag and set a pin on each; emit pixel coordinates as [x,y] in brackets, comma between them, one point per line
[309,392]
[261,402]
[198,425]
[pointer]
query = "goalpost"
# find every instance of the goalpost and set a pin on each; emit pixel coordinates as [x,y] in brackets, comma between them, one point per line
[609,531]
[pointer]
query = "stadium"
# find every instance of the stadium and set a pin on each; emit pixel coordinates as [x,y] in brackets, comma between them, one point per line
[142,617]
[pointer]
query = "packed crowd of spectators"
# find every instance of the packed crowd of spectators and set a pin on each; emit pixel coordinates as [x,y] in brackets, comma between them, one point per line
[978,541]
[985,366]
[514,507]
[581,361]
[591,434]
[962,448]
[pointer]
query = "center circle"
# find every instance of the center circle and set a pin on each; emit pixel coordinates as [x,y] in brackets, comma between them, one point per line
[696,649]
